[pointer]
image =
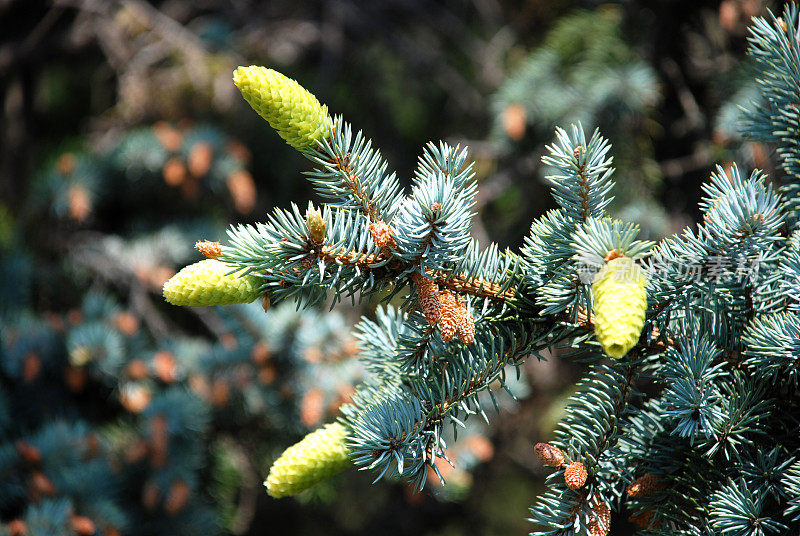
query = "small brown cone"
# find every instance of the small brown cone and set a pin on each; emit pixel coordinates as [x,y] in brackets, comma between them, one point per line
[465,322]
[600,523]
[644,485]
[549,455]
[448,321]
[428,296]
[575,475]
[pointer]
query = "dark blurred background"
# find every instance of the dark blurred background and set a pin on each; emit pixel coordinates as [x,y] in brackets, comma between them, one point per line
[123,140]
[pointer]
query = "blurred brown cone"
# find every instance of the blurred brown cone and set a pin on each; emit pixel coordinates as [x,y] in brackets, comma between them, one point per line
[514,120]
[243,191]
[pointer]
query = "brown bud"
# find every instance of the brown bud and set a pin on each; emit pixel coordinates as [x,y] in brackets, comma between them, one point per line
[575,475]
[159,441]
[201,156]
[75,378]
[80,204]
[313,354]
[41,485]
[243,191]
[126,322]
[17,527]
[66,163]
[82,526]
[177,497]
[265,303]
[480,447]
[212,250]
[220,393]
[169,136]
[136,451]
[267,375]
[644,485]
[514,121]
[150,495]
[174,172]
[260,353]
[312,407]
[316,225]
[382,234]
[613,254]
[229,341]
[164,366]
[135,397]
[136,369]
[31,366]
[28,452]
[549,455]
[600,523]
[643,520]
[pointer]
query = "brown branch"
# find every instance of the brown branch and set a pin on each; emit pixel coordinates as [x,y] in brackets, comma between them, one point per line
[343,166]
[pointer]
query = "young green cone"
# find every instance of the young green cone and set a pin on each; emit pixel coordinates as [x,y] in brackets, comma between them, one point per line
[207,283]
[319,456]
[289,108]
[619,306]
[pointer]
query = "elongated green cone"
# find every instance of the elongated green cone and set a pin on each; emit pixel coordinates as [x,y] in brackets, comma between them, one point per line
[206,283]
[289,108]
[319,456]
[619,306]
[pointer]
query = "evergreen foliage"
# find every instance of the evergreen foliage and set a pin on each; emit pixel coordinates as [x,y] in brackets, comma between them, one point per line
[692,431]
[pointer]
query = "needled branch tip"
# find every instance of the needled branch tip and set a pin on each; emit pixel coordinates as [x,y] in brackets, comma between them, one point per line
[290,109]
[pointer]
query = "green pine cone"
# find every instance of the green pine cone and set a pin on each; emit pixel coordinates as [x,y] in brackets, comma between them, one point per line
[207,283]
[289,108]
[619,306]
[319,456]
